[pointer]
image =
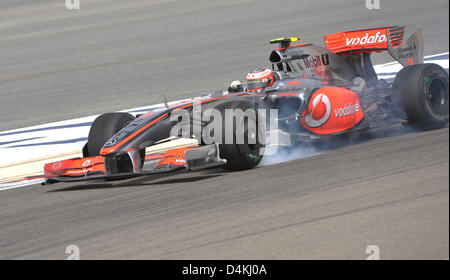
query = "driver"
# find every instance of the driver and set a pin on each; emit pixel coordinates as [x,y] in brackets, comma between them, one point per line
[257,81]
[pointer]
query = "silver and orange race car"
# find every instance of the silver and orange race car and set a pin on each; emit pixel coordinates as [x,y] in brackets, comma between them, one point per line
[318,92]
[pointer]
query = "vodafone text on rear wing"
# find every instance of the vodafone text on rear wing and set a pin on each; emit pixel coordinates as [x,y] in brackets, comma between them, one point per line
[404,43]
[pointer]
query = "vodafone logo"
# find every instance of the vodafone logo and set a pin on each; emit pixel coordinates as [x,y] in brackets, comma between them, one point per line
[349,109]
[56,165]
[377,38]
[86,163]
[320,113]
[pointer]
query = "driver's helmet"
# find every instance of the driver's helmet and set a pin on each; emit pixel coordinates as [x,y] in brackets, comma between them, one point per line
[258,79]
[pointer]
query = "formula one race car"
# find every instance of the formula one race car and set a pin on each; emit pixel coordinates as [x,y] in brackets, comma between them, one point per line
[317,91]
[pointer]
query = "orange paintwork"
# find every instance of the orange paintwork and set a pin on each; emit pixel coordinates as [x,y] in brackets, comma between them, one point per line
[174,157]
[332,110]
[293,83]
[75,167]
[367,40]
[287,94]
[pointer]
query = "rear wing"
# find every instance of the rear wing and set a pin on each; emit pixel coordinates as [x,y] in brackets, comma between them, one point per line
[404,43]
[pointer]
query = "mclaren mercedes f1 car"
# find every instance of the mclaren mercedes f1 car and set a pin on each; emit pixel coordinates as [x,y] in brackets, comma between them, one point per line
[318,92]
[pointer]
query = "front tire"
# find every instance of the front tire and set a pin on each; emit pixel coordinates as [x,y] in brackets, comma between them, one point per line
[246,155]
[422,93]
[103,128]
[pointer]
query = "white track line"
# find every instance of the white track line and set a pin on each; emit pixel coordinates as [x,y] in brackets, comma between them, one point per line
[9,186]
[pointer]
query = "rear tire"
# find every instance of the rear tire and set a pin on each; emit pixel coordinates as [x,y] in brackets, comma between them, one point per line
[421,91]
[103,128]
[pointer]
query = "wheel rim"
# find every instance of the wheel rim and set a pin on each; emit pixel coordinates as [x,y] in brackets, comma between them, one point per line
[436,97]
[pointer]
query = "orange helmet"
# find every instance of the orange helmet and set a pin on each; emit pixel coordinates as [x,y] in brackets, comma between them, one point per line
[258,79]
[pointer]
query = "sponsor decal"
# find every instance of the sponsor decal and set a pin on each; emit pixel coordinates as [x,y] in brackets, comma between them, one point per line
[407,52]
[78,172]
[316,61]
[178,160]
[377,38]
[320,112]
[86,163]
[56,165]
[349,109]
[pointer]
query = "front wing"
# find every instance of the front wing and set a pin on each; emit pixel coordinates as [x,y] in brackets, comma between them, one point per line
[93,168]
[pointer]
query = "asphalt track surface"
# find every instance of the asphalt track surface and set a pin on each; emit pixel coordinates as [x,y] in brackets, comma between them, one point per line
[56,64]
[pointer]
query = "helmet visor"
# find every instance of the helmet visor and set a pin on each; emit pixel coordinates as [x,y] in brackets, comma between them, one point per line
[257,84]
